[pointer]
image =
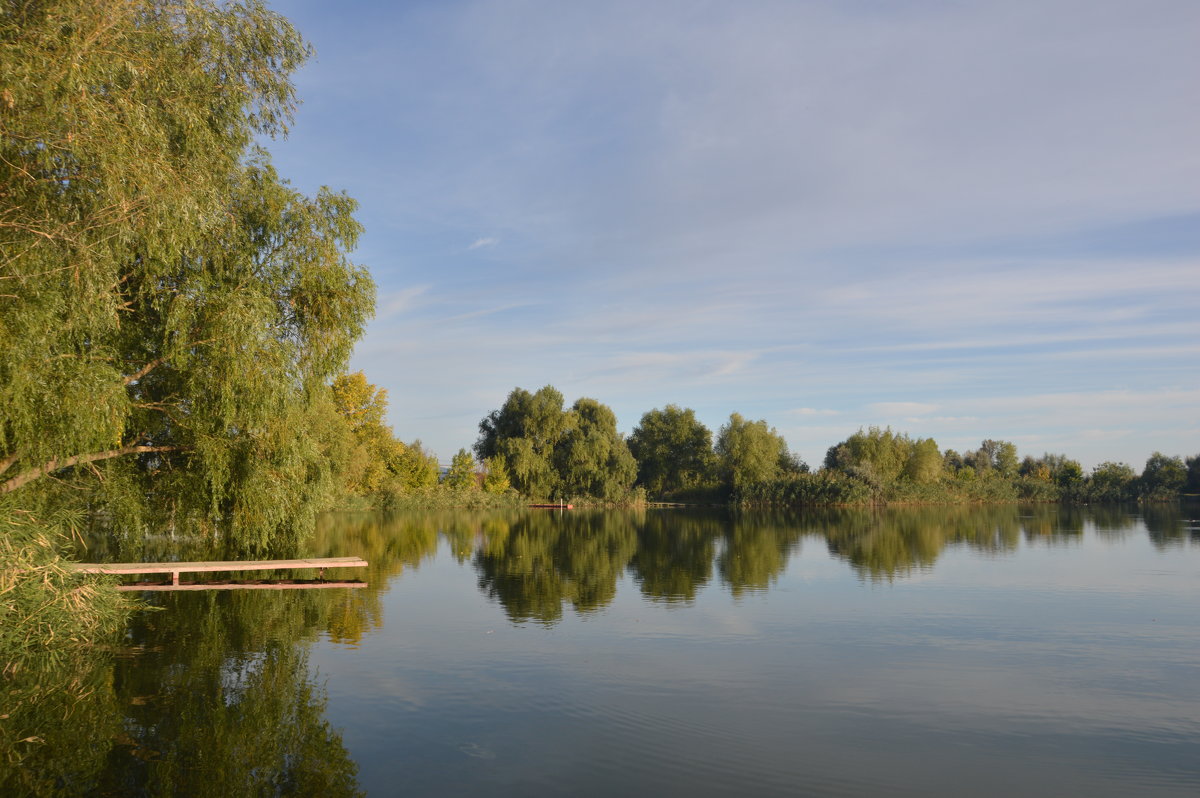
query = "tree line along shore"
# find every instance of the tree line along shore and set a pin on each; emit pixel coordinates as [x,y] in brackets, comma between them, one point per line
[536,448]
[176,321]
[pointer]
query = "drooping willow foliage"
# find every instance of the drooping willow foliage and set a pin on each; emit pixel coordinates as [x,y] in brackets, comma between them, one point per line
[171,310]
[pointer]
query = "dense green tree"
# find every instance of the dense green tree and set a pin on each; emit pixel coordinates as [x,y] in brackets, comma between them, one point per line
[1064,472]
[993,455]
[415,468]
[1112,482]
[1034,468]
[1163,477]
[376,452]
[674,451]
[525,432]
[591,458]
[750,452]
[461,475]
[550,452]
[170,309]
[1193,474]
[924,462]
[879,455]
[496,478]
[883,457]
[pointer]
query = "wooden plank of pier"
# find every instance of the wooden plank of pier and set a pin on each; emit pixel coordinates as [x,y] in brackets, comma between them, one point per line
[291,584]
[177,568]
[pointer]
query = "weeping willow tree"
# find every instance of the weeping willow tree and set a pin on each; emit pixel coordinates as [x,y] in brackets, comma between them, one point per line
[170,308]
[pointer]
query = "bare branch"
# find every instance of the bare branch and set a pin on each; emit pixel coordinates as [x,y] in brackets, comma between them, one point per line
[144,370]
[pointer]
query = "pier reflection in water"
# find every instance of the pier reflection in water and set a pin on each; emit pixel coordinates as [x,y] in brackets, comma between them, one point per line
[996,650]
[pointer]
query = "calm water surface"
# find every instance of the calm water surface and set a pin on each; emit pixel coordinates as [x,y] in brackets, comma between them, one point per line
[983,651]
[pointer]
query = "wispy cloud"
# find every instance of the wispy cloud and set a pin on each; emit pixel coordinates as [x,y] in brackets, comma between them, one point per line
[902,408]
[480,243]
[399,301]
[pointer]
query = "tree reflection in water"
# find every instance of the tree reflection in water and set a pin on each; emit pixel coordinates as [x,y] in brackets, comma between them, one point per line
[212,696]
[215,695]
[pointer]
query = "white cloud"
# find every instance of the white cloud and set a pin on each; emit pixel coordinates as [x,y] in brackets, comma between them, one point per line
[812,411]
[479,243]
[902,408]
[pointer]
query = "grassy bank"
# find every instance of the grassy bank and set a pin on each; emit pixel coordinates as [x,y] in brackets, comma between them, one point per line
[45,605]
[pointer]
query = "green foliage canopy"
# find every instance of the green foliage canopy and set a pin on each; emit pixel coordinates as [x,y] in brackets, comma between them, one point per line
[461,475]
[552,452]
[524,431]
[750,452]
[1163,475]
[169,307]
[376,452]
[592,458]
[882,457]
[1113,482]
[674,451]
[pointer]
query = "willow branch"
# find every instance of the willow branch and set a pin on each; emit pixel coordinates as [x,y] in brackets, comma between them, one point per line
[20,480]
[144,370]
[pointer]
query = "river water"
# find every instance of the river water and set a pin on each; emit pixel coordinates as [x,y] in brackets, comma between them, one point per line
[984,651]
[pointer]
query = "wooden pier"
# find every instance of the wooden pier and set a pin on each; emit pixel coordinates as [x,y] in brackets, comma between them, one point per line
[177,568]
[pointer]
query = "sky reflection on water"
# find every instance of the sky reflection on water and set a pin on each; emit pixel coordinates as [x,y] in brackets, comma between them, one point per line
[961,650]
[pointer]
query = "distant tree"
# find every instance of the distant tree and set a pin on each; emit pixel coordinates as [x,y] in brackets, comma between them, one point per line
[461,475]
[883,457]
[591,457]
[1193,474]
[993,455]
[749,452]
[1034,468]
[525,432]
[1163,477]
[550,452]
[376,451]
[413,469]
[674,451]
[1064,472]
[878,454]
[924,461]
[1112,482]
[495,478]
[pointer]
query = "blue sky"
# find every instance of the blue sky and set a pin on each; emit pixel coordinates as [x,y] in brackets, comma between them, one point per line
[962,220]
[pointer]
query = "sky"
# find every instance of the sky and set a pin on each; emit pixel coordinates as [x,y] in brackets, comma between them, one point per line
[961,220]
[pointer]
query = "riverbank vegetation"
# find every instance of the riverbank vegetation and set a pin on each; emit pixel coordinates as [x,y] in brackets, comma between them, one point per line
[558,453]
